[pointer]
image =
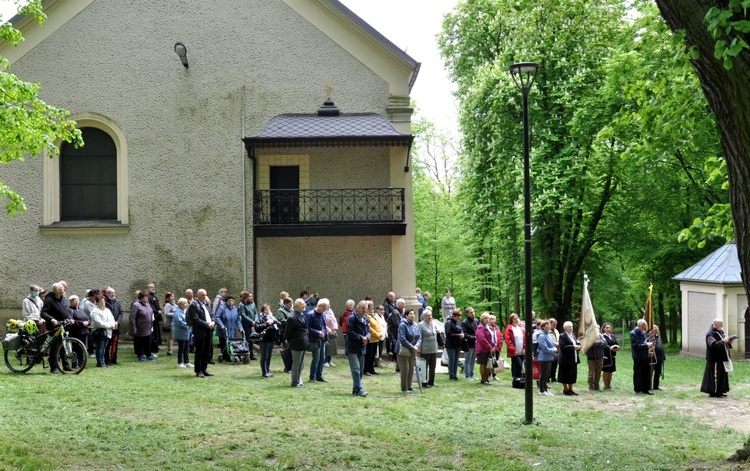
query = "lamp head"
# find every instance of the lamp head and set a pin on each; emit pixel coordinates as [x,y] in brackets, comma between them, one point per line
[181,51]
[523,74]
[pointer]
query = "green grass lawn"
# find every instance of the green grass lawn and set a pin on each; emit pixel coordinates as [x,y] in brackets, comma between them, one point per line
[155,416]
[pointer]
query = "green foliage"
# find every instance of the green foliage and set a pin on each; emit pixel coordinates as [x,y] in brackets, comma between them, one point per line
[573,171]
[443,256]
[625,153]
[28,125]
[727,26]
[156,416]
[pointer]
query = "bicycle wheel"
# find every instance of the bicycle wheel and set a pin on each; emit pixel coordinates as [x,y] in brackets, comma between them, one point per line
[71,356]
[18,362]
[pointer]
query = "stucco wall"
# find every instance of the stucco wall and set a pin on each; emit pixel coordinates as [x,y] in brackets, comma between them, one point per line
[338,268]
[249,61]
[343,167]
[701,312]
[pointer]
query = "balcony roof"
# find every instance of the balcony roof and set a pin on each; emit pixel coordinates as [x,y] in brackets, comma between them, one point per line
[328,127]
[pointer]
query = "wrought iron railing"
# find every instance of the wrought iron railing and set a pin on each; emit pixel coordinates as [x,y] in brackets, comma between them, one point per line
[329,206]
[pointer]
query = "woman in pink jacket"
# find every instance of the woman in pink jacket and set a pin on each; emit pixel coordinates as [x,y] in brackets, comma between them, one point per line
[484,347]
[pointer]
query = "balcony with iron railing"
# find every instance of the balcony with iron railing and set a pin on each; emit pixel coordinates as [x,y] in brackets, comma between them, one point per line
[329,212]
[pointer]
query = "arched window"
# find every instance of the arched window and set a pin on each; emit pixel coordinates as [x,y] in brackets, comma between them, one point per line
[86,189]
[88,178]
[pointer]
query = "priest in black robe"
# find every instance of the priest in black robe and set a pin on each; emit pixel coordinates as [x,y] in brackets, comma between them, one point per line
[715,377]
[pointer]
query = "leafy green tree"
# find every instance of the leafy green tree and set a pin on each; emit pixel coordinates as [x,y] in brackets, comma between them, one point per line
[443,257]
[574,173]
[668,136]
[623,145]
[717,34]
[28,125]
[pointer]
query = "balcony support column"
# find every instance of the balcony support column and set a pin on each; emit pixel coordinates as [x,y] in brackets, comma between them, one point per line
[402,247]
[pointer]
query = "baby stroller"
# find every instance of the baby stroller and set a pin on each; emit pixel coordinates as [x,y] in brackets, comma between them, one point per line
[237,350]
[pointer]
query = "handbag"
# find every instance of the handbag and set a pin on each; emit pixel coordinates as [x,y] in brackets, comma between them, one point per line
[166,329]
[100,334]
[498,366]
[728,364]
[536,371]
[440,336]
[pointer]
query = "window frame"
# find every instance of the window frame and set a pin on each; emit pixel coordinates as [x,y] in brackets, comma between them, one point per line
[51,181]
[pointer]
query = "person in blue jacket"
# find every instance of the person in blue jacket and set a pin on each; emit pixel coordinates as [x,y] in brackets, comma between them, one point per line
[357,338]
[181,333]
[409,341]
[318,337]
[230,324]
[546,356]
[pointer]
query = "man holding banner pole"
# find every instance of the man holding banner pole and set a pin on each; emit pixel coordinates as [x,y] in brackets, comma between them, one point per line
[639,348]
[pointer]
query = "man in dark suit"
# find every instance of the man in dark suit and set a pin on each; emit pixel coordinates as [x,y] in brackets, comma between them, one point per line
[639,347]
[158,319]
[54,311]
[200,320]
[296,336]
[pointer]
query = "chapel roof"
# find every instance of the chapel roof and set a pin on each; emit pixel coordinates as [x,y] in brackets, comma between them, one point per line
[721,266]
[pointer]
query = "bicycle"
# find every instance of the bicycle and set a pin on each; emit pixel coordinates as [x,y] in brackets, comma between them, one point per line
[71,354]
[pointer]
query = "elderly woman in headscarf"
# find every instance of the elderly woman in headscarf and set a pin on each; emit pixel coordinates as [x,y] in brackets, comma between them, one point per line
[230,324]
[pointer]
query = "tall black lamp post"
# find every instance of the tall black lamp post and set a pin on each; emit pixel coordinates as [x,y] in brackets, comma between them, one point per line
[523,74]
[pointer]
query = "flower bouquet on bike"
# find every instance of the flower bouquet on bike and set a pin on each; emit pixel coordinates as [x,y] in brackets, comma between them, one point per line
[25,346]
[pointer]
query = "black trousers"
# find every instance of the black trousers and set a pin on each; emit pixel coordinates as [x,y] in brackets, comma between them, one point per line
[372,349]
[641,375]
[431,360]
[142,345]
[657,374]
[553,370]
[202,354]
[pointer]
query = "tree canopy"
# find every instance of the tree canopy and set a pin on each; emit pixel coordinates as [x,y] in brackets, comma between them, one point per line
[28,125]
[717,35]
[623,145]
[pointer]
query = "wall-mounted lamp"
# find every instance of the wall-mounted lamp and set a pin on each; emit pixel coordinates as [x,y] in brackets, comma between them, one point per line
[181,51]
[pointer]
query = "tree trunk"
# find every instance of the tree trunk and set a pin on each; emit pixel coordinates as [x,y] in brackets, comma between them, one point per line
[728,95]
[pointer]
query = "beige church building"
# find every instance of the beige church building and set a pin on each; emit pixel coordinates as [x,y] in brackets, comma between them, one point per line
[245,144]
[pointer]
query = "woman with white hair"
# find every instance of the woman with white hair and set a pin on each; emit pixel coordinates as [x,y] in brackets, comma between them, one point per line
[715,378]
[102,321]
[428,348]
[568,361]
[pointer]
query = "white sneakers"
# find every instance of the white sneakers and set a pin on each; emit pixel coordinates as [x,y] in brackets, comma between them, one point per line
[546,393]
[329,364]
[189,365]
[181,365]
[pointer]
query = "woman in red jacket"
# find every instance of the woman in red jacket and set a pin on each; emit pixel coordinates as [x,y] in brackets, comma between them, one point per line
[515,339]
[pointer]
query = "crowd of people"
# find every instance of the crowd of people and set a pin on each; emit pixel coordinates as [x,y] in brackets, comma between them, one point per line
[371,334]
